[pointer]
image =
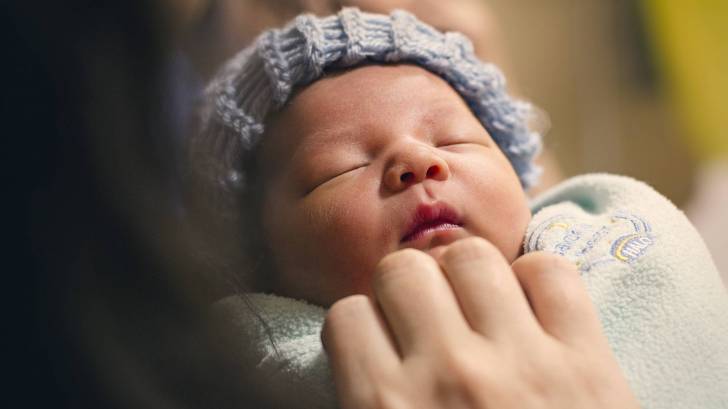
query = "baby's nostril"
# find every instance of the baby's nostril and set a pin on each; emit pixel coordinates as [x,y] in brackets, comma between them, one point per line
[406,177]
[432,171]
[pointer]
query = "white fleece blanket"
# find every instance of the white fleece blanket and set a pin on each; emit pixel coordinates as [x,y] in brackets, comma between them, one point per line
[660,299]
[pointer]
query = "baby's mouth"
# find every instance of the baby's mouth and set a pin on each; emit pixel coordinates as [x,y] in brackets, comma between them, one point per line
[430,218]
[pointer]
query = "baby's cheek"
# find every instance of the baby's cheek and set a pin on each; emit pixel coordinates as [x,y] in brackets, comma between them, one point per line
[350,230]
[497,209]
[513,224]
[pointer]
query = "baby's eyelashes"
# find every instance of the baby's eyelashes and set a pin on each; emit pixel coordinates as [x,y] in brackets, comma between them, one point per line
[469,138]
[333,176]
[446,144]
[457,145]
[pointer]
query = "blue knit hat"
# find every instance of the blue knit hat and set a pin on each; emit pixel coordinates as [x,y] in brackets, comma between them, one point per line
[261,78]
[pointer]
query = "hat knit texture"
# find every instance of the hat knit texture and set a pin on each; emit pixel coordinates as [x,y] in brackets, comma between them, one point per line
[260,79]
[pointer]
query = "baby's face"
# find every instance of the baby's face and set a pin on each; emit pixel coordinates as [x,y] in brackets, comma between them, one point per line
[380,158]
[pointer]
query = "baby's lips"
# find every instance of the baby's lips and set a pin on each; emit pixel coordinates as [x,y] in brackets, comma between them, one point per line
[439,238]
[429,216]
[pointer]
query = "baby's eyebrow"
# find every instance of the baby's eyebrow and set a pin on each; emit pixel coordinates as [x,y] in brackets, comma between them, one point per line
[323,139]
[327,136]
[436,114]
[431,116]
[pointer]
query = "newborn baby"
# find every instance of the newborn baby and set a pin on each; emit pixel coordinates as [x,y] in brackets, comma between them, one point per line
[343,139]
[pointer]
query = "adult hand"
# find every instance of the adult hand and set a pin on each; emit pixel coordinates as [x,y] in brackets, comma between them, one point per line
[467,330]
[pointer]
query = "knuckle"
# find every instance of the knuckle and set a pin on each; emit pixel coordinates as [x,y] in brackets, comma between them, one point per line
[539,373]
[463,366]
[401,263]
[590,373]
[542,262]
[468,249]
[403,258]
[341,312]
[552,282]
[381,392]
[386,397]
[463,375]
[346,308]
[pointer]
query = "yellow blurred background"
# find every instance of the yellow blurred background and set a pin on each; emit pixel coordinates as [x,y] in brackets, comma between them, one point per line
[691,48]
[632,87]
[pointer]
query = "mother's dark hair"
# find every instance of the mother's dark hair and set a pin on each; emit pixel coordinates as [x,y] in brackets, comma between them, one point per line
[111,293]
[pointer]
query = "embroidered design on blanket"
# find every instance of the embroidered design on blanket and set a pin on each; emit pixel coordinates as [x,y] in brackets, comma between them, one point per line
[620,237]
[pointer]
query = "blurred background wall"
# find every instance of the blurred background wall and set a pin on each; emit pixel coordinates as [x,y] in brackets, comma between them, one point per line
[632,87]
[589,64]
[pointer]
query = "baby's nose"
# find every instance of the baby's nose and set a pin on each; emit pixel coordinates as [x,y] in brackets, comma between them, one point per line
[413,165]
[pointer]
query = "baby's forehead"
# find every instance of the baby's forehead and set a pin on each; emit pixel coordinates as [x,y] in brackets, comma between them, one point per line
[372,93]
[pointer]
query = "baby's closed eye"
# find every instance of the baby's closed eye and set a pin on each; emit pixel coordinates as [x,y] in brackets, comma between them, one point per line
[461,141]
[330,174]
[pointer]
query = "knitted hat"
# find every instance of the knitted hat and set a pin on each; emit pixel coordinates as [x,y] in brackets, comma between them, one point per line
[261,78]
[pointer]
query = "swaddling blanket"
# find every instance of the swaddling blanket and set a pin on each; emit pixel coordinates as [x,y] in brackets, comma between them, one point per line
[660,299]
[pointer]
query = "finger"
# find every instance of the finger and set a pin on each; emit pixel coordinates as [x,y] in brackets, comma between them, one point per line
[417,301]
[360,350]
[558,297]
[487,290]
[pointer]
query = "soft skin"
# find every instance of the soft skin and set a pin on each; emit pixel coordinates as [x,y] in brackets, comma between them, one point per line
[429,338]
[351,159]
